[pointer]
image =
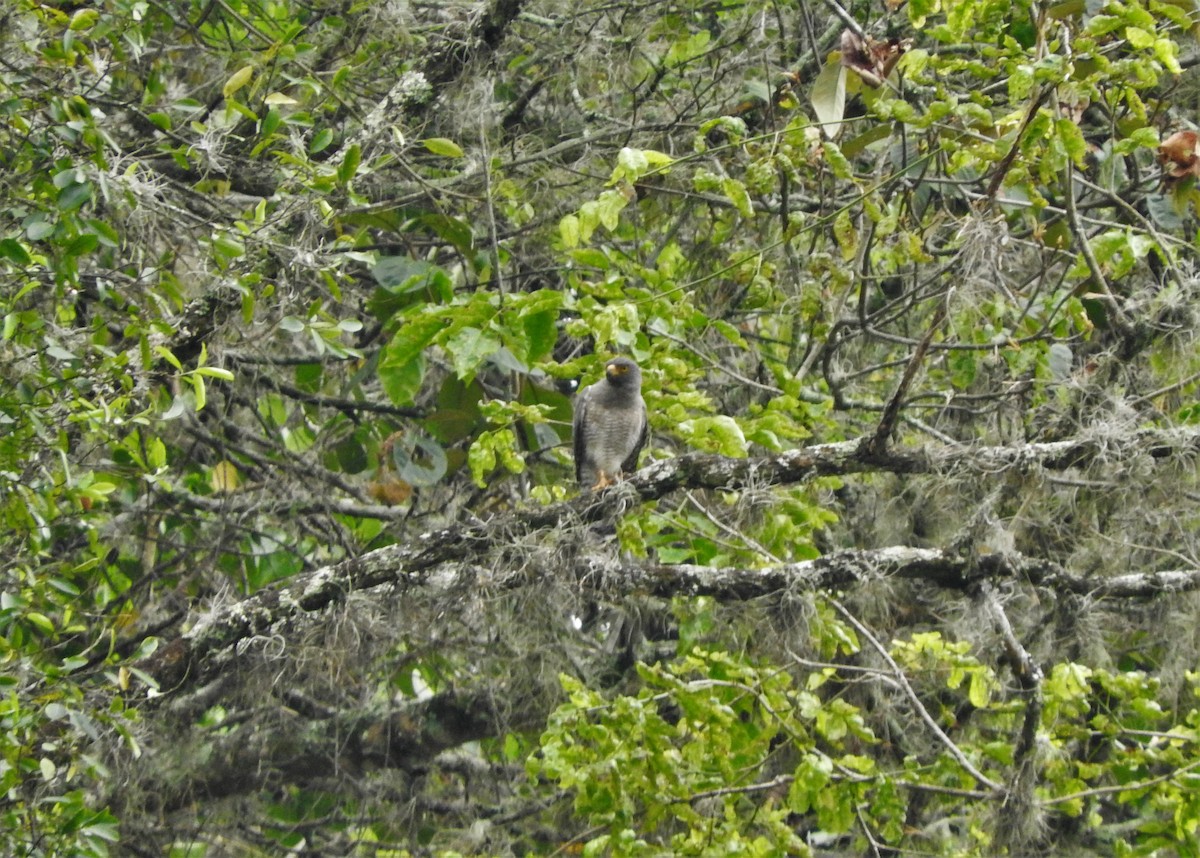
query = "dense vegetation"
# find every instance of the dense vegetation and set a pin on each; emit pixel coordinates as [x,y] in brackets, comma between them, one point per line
[295,294]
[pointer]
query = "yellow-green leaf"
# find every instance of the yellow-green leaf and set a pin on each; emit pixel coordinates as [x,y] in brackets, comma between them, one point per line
[223,478]
[240,78]
[978,690]
[84,19]
[200,390]
[443,146]
[568,229]
[737,194]
[215,372]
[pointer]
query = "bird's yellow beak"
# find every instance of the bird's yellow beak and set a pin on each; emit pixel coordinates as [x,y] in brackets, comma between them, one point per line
[612,370]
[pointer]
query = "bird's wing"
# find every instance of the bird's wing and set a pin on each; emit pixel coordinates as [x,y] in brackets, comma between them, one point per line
[577,431]
[643,432]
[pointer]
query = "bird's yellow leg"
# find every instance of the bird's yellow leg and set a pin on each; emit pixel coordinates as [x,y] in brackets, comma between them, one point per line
[603,481]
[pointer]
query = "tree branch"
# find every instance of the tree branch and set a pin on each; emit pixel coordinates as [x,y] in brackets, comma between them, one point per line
[191,658]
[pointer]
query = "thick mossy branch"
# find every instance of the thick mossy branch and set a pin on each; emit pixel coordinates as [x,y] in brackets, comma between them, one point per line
[192,658]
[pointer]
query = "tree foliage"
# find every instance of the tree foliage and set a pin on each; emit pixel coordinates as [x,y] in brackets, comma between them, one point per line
[294,299]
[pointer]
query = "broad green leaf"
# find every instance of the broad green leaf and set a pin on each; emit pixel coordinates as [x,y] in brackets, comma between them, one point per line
[631,164]
[237,80]
[349,166]
[14,251]
[736,191]
[569,231]
[84,19]
[400,274]
[829,97]
[104,231]
[1138,37]
[40,620]
[1167,52]
[74,196]
[919,10]
[169,356]
[837,161]
[720,434]
[400,360]
[541,333]
[470,347]
[609,207]
[320,141]
[978,692]
[443,146]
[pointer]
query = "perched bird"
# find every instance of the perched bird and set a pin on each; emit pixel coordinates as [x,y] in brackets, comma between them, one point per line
[610,425]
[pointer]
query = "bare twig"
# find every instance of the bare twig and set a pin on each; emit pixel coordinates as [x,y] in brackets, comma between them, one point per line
[918,706]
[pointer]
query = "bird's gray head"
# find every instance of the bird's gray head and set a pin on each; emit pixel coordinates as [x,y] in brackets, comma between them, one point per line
[623,373]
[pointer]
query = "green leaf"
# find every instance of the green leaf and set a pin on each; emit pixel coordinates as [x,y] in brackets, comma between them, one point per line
[1139,38]
[401,274]
[720,434]
[443,146]
[169,356]
[829,97]
[1071,137]
[978,693]
[568,230]
[215,372]
[837,161]
[84,19]
[736,191]
[14,251]
[321,141]
[470,347]
[481,458]
[73,196]
[40,620]
[401,366]
[631,164]
[919,10]
[229,246]
[156,453]
[609,207]
[106,234]
[1167,53]
[412,338]
[349,165]
[270,122]
[200,390]
[237,80]
[82,244]
[38,228]
[541,334]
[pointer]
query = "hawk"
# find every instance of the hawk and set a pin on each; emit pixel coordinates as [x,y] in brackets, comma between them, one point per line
[610,425]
